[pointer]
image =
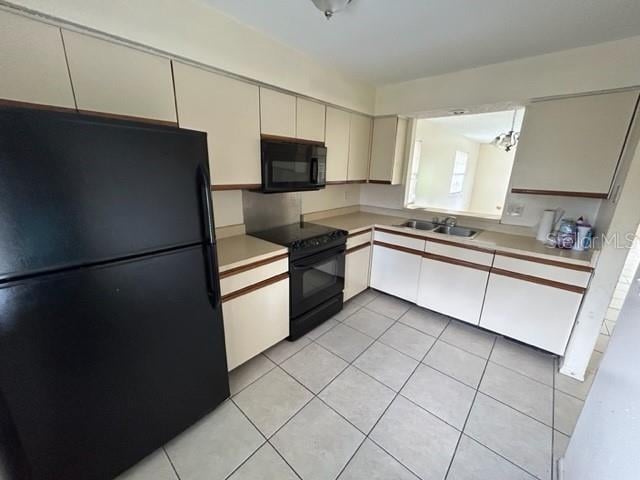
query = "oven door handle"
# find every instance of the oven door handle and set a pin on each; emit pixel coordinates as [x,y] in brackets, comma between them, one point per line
[310,261]
[314,171]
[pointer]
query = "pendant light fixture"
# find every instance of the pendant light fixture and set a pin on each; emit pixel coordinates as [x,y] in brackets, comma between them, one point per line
[506,141]
[329,7]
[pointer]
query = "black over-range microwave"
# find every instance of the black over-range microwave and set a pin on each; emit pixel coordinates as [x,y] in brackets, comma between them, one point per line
[290,166]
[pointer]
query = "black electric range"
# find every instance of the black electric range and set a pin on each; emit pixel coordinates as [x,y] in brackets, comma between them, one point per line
[316,272]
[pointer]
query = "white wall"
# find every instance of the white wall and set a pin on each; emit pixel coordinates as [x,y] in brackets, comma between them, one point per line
[605,442]
[599,67]
[493,171]
[439,147]
[333,196]
[227,208]
[190,29]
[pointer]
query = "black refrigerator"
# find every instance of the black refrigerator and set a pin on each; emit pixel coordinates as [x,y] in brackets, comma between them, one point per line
[111,334]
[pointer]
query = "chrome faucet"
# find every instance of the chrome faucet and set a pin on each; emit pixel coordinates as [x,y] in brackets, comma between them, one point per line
[448,221]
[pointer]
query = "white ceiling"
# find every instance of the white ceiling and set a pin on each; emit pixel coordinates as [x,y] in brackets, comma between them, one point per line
[481,127]
[386,41]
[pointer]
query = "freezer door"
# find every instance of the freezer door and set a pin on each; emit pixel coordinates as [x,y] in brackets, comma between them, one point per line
[101,366]
[78,189]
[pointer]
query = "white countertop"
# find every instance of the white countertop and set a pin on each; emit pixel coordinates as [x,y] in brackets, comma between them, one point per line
[505,242]
[241,250]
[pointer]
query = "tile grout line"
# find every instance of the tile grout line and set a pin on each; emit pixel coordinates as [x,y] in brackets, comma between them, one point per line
[317,396]
[396,394]
[171,462]
[266,442]
[466,420]
[479,442]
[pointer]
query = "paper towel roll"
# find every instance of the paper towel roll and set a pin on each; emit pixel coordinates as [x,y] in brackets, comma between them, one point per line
[546,224]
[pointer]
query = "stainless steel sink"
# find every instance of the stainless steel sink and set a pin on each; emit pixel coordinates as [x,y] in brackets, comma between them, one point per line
[456,231]
[419,224]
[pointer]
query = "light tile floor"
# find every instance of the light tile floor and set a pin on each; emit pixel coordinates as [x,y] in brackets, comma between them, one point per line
[384,390]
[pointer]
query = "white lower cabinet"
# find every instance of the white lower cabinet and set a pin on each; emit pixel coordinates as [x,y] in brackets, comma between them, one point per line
[454,290]
[255,321]
[533,313]
[356,275]
[395,272]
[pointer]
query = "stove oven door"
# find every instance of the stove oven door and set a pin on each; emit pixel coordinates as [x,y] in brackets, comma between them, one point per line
[316,278]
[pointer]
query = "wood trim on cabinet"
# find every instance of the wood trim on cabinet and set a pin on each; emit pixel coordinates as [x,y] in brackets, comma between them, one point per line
[560,193]
[455,261]
[361,232]
[380,182]
[555,263]
[278,138]
[116,116]
[254,287]
[459,245]
[236,186]
[349,182]
[38,106]
[402,234]
[357,247]
[251,266]
[398,247]
[336,182]
[538,280]
[35,106]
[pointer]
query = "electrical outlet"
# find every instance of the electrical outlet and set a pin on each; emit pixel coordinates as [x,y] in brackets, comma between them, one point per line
[515,209]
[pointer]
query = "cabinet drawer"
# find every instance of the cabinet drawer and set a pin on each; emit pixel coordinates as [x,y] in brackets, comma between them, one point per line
[400,239]
[466,254]
[532,313]
[237,279]
[541,268]
[358,239]
[255,321]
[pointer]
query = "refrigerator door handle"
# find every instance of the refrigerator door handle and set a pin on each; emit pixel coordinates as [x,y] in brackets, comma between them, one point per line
[211,257]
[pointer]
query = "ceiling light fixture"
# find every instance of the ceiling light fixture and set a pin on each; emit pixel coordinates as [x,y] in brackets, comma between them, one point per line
[329,7]
[506,141]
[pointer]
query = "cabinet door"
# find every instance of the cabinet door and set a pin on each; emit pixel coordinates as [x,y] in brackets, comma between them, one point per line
[255,321]
[228,110]
[359,148]
[573,144]
[395,272]
[454,290]
[356,277]
[310,120]
[32,62]
[277,113]
[337,143]
[115,79]
[388,150]
[532,313]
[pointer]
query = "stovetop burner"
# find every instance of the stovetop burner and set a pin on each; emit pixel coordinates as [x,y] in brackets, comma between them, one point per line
[299,236]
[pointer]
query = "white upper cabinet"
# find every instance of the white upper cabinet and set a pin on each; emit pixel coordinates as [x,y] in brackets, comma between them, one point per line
[337,143]
[120,80]
[388,150]
[277,113]
[228,110]
[359,148]
[573,145]
[310,120]
[32,63]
